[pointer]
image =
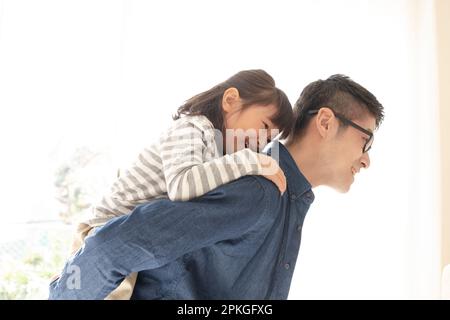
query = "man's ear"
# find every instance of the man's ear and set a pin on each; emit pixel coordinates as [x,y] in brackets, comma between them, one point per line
[325,122]
[230,100]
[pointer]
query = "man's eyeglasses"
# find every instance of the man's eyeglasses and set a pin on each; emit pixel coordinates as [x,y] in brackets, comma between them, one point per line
[369,141]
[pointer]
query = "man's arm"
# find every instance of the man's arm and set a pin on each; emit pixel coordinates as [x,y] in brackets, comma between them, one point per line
[158,233]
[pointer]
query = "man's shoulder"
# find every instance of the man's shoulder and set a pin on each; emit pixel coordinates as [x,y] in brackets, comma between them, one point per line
[253,188]
[268,186]
[262,195]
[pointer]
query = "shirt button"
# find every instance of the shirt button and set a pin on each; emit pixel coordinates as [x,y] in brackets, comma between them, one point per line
[299,228]
[287,266]
[308,197]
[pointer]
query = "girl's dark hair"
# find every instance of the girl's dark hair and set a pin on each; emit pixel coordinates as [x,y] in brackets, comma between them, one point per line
[255,87]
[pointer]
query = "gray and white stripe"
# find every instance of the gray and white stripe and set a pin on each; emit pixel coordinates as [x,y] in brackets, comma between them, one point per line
[184,165]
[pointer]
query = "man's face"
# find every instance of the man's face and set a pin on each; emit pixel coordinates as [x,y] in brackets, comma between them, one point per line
[348,154]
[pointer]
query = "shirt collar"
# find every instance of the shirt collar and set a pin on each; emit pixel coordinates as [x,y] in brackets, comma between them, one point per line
[297,185]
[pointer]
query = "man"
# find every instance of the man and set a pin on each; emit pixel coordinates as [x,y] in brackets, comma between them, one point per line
[241,240]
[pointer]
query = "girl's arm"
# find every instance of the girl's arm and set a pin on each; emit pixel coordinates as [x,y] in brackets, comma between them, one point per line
[188,175]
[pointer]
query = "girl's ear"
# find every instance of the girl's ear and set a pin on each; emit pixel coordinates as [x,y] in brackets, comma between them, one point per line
[230,100]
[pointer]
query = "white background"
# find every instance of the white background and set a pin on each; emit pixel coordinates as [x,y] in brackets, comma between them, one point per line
[109,74]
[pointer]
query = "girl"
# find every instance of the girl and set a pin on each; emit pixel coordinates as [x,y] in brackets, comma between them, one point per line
[188,161]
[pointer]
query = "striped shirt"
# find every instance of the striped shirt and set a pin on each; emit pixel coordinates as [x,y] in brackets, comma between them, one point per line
[185,164]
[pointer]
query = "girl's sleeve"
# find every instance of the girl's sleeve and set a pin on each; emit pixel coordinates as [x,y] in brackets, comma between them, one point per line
[184,150]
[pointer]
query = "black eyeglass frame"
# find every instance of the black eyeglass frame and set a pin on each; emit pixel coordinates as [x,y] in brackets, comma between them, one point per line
[369,142]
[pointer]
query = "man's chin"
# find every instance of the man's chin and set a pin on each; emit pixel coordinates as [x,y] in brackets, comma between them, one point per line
[343,188]
[343,191]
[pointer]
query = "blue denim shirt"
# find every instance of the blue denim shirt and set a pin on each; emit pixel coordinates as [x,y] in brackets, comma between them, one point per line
[239,241]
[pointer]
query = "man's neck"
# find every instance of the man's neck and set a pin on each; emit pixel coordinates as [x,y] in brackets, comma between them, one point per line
[307,157]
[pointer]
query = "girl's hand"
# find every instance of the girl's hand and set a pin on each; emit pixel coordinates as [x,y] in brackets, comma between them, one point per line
[272,171]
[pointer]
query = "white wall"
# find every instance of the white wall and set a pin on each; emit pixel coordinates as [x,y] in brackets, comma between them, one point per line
[443,43]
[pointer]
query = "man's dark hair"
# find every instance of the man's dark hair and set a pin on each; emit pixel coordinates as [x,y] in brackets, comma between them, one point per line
[342,95]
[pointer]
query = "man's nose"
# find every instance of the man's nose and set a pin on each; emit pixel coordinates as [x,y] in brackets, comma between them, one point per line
[365,160]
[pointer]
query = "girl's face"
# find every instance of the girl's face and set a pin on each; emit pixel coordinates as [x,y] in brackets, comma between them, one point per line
[249,127]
